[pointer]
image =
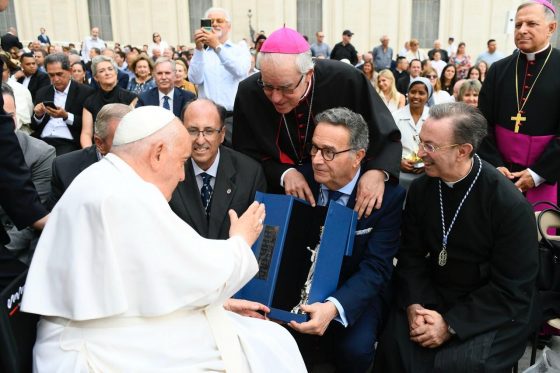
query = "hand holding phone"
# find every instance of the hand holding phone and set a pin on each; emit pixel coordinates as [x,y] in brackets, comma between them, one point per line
[50,104]
[206,24]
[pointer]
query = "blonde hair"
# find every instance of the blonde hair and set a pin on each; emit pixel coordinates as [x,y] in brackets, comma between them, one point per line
[430,69]
[393,93]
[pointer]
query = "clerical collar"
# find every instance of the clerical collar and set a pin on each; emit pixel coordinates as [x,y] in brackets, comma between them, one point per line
[212,170]
[531,56]
[451,184]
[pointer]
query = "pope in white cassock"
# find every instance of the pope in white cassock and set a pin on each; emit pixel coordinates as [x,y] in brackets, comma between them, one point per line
[124,285]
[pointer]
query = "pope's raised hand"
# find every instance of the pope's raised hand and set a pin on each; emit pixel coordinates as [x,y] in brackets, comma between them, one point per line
[249,225]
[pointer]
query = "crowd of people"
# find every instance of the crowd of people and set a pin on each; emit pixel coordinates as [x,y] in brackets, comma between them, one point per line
[142,165]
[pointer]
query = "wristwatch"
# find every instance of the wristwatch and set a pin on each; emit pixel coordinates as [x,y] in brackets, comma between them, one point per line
[218,48]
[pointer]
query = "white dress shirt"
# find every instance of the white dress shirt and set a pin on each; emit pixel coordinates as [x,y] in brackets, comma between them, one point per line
[218,73]
[58,127]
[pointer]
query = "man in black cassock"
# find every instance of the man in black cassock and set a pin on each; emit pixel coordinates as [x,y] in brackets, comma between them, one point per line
[519,99]
[465,277]
[274,111]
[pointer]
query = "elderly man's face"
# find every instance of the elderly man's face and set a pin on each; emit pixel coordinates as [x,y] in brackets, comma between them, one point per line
[173,161]
[165,76]
[441,163]
[220,25]
[202,121]
[341,169]
[59,77]
[95,32]
[532,30]
[284,84]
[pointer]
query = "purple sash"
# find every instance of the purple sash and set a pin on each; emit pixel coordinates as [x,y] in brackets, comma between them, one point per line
[524,150]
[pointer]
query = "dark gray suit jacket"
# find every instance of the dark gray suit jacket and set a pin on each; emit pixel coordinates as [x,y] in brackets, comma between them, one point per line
[237,180]
[65,168]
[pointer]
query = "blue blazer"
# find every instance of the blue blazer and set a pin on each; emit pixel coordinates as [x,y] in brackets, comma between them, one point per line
[180,98]
[365,275]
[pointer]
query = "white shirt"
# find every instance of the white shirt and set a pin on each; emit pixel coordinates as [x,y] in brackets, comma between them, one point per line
[25,82]
[88,43]
[439,66]
[132,275]
[212,171]
[24,102]
[218,74]
[58,127]
[170,95]
[409,130]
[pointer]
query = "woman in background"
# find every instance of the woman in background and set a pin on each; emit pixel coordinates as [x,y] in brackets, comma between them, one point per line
[143,80]
[469,91]
[448,78]
[387,89]
[439,96]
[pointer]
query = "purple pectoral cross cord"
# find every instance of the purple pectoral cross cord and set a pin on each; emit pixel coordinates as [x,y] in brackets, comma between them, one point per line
[518,119]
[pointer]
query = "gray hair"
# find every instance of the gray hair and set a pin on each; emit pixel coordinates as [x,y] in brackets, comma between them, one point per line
[548,14]
[108,113]
[60,58]
[303,61]
[469,125]
[7,90]
[221,10]
[469,85]
[161,60]
[353,122]
[101,58]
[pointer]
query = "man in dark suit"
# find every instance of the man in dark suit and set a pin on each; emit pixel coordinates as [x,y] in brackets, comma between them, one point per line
[414,70]
[43,37]
[350,318]
[60,124]
[66,167]
[217,178]
[165,94]
[10,40]
[18,196]
[30,76]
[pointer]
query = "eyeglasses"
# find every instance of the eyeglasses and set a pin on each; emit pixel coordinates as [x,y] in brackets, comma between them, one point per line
[284,90]
[429,148]
[328,154]
[207,132]
[431,76]
[218,20]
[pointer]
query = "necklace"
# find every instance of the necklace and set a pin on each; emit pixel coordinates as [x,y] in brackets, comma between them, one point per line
[518,118]
[442,258]
[298,158]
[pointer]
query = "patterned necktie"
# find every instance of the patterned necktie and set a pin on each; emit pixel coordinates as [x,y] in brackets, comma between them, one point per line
[166,103]
[334,195]
[206,190]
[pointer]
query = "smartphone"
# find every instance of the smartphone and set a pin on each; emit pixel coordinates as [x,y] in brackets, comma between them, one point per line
[49,104]
[206,24]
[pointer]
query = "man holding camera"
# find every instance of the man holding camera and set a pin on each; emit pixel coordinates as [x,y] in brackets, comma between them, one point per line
[218,64]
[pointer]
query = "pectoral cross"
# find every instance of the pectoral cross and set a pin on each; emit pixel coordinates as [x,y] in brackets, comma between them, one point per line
[518,119]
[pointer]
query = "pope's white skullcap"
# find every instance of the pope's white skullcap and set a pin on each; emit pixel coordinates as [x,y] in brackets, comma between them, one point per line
[141,123]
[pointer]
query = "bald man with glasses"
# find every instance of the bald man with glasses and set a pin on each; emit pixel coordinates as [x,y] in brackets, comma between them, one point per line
[217,177]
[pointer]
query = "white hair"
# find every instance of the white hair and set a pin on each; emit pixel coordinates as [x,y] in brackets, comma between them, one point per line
[221,10]
[303,61]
